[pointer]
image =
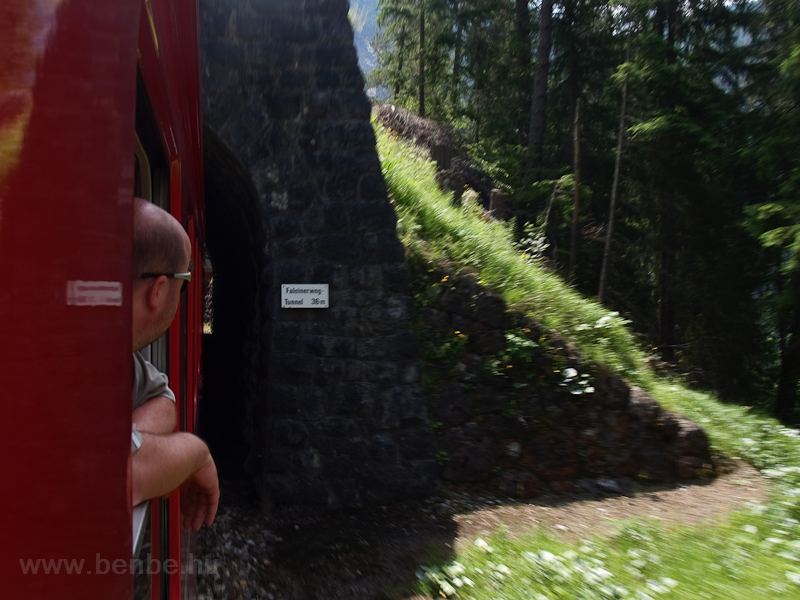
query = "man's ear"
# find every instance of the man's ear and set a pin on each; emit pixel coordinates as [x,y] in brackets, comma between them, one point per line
[157,293]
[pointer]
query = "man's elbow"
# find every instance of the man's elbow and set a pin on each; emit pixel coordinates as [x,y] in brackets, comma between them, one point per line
[158,415]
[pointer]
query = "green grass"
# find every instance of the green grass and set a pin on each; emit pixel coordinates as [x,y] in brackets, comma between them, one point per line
[430,225]
[755,553]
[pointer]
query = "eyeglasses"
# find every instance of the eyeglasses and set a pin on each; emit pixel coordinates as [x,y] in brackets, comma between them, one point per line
[187,277]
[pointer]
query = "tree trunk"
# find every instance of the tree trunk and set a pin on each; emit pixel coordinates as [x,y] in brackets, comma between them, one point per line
[615,184]
[539,95]
[522,31]
[576,195]
[789,328]
[667,276]
[457,58]
[400,61]
[422,58]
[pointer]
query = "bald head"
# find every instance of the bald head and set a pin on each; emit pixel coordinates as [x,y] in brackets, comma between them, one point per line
[159,241]
[160,245]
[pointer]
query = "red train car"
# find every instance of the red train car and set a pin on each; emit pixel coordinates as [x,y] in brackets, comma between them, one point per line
[99,101]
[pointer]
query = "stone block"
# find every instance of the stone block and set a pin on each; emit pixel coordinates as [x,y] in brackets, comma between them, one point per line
[275,7]
[284,400]
[285,433]
[284,226]
[329,370]
[359,134]
[290,272]
[294,79]
[506,427]
[551,456]
[451,406]
[247,27]
[468,453]
[401,346]
[455,303]
[326,8]
[365,162]
[652,458]
[410,373]
[339,427]
[327,78]
[290,368]
[691,440]
[381,372]
[286,104]
[520,484]
[395,279]
[490,309]
[335,55]
[279,461]
[351,398]
[290,249]
[416,444]
[487,343]
[373,187]
[329,346]
[693,467]
[340,247]
[489,400]
[383,448]
[402,407]
[293,29]
[366,277]
[424,479]
[382,247]
[642,406]
[376,215]
[341,185]
[385,484]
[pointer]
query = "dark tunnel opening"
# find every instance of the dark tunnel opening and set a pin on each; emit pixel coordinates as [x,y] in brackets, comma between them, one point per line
[234,240]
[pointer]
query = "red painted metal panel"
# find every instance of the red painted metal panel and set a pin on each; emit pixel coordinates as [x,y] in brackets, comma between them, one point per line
[65,366]
[67,93]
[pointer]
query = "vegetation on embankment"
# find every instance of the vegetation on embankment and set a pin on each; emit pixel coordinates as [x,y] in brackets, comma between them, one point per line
[754,552]
[431,226]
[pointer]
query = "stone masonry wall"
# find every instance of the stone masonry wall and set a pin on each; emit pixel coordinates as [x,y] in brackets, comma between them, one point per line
[517,409]
[335,412]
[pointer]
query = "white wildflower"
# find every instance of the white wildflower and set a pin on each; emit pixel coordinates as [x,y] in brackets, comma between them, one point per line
[750,529]
[447,589]
[455,569]
[547,556]
[657,587]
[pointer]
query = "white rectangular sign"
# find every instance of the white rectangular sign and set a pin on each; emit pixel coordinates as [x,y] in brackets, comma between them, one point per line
[94,293]
[304,295]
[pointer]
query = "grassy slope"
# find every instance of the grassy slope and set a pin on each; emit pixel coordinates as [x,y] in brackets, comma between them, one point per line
[754,553]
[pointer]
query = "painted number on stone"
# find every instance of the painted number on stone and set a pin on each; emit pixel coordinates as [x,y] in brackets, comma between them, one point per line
[304,295]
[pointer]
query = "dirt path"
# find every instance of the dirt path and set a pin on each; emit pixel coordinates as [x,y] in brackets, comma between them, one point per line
[373,554]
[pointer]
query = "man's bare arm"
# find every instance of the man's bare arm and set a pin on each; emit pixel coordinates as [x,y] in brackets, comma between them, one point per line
[166,462]
[157,415]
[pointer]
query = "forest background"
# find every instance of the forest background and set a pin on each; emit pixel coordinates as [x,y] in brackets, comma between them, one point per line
[649,150]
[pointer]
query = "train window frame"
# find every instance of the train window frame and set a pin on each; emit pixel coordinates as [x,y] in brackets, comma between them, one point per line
[151,182]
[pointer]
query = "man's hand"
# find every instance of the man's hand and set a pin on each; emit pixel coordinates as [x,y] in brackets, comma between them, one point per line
[200,496]
[177,460]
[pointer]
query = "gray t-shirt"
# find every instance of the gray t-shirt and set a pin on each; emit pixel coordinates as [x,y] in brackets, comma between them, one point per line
[148,382]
